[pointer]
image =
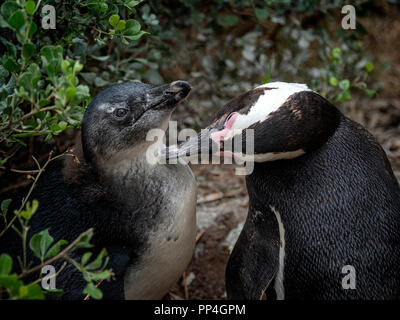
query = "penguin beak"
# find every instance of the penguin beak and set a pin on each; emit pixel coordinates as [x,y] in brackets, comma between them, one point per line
[209,142]
[167,96]
[200,144]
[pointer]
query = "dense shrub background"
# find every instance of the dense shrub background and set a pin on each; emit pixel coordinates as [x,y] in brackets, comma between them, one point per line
[47,77]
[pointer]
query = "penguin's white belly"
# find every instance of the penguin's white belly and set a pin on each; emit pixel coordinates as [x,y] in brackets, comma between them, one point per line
[170,252]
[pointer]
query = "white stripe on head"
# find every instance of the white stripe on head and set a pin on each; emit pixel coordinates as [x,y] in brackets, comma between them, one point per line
[109,108]
[268,102]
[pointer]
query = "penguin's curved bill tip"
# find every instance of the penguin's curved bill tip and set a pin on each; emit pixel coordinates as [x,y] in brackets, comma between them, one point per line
[168,95]
[179,89]
[179,86]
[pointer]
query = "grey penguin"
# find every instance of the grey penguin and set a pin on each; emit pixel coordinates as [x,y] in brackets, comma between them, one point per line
[324,204]
[143,213]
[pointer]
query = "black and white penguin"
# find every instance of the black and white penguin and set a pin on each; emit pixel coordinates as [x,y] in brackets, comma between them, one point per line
[324,205]
[142,213]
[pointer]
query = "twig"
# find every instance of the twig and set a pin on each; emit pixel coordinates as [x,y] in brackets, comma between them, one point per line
[15,186]
[41,169]
[97,285]
[53,275]
[24,171]
[199,235]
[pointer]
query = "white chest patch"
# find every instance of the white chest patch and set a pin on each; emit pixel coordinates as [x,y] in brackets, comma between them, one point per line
[268,102]
[164,262]
[279,288]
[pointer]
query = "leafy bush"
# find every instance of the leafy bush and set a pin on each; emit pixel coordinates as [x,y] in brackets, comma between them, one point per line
[41,95]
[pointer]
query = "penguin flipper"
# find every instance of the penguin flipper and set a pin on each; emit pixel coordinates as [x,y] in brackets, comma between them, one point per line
[254,261]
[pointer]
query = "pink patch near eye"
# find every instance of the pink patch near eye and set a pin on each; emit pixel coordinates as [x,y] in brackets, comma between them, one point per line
[220,135]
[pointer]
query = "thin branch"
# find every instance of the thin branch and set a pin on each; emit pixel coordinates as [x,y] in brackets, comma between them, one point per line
[41,169]
[62,254]
[97,285]
[24,171]
[53,275]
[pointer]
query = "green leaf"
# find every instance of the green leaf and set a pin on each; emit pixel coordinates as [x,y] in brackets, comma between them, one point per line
[132,27]
[371,93]
[227,20]
[11,65]
[51,59]
[344,84]
[121,25]
[30,7]
[51,54]
[62,124]
[5,264]
[29,211]
[369,66]
[94,292]
[113,20]
[8,8]
[9,281]
[333,81]
[64,66]
[55,249]
[4,206]
[132,4]
[29,80]
[96,263]
[84,242]
[261,14]
[31,292]
[99,82]
[265,79]
[28,49]
[54,292]
[70,93]
[344,96]
[102,275]
[77,67]
[32,29]
[336,52]
[17,20]
[40,242]
[85,258]
[137,36]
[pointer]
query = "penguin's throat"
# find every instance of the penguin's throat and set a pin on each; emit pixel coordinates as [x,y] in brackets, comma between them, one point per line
[123,161]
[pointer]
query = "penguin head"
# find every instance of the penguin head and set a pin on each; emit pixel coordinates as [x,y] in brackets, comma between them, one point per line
[118,119]
[271,122]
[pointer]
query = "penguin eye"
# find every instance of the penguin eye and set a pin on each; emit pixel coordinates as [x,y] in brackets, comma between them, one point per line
[121,112]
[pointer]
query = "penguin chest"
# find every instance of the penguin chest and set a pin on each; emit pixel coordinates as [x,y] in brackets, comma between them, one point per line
[170,245]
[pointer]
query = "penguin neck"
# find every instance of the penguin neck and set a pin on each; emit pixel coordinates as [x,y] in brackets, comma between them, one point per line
[128,163]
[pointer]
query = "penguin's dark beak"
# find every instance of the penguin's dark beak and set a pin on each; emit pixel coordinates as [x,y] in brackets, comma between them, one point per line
[168,95]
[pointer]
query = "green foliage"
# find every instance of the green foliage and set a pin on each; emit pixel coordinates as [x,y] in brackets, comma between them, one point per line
[44,248]
[40,90]
[307,43]
[40,245]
